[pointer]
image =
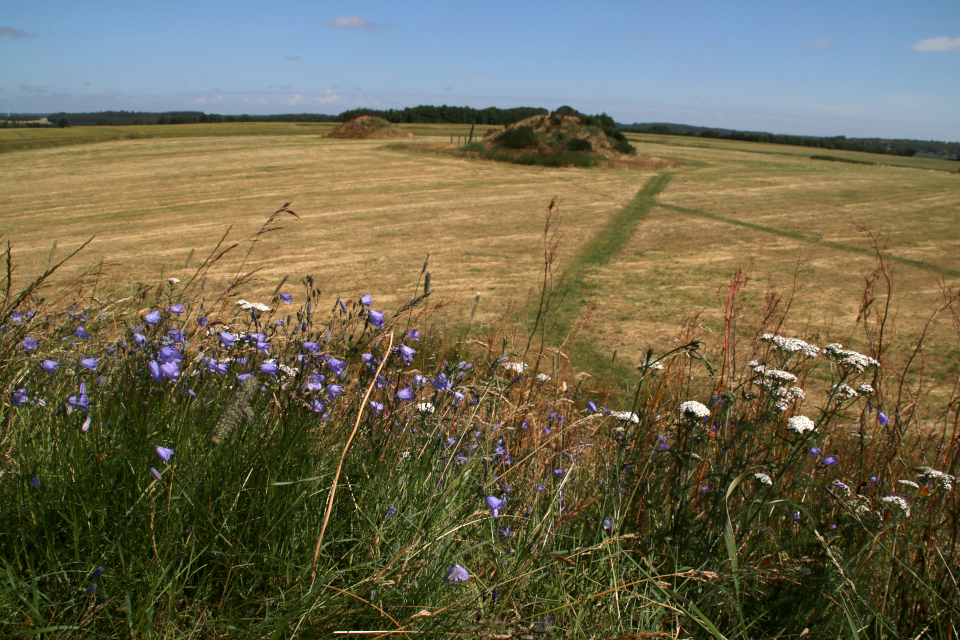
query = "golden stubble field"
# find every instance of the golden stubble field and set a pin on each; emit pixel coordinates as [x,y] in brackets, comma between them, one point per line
[371,212]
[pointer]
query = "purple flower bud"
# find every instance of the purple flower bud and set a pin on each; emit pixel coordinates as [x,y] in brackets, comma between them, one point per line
[559,473]
[140,340]
[90,589]
[607,524]
[286,297]
[391,511]
[34,482]
[883,419]
[457,398]
[156,474]
[591,405]
[49,366]
[165,454]
[97,573]
[203,320]
[82,334]
[89,363]
[873,479]
[830,461]
[816,452]
[152,318]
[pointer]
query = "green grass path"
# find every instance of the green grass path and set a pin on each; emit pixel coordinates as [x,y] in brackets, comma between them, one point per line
[595,255]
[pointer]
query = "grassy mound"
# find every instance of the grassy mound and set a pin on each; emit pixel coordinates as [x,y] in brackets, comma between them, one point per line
[364,127]
[562,139]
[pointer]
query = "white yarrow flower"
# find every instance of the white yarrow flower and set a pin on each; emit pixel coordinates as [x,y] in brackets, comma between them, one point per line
[694,409]
[801,424]
[865,389]
[928,474]
[898,502]
[843,392]
[516,367]
[542,378]
[847,358]
[626,416]
[790,345]
[173,280]
[764,478]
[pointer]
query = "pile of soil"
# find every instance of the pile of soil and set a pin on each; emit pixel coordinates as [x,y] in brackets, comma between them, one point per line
[364,127]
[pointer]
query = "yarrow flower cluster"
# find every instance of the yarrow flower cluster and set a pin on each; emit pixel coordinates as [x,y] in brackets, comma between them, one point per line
[256,306]
[626,416]
[515,367]
[849,359]
[928,474]
[843,392]
[801,424]
[899,503]
[764,478]
[790,345]
[865,389]
[786,395]
[694,409]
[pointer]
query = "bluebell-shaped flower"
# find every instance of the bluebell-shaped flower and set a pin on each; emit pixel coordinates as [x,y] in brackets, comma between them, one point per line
[152,318]
[165,454]
[457,574]
[169,354]
[495,505]
[29,344]
[376,318]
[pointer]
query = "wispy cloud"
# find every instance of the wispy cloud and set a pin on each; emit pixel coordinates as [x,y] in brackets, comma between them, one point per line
[817,44]
[350,22]
[13,32]
[293,58]
[943,43]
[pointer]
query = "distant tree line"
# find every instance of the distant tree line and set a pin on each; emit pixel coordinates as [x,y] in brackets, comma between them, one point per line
[426,114]
[842,143]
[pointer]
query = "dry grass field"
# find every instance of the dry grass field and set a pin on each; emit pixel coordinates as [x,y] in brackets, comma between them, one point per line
[371,212]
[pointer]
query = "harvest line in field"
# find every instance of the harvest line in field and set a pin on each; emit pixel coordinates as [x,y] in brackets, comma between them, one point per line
[839,246]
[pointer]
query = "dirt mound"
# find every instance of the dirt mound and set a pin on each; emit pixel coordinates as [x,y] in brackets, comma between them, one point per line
[368,127]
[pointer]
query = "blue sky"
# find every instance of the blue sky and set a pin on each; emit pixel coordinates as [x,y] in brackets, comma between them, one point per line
[865,68]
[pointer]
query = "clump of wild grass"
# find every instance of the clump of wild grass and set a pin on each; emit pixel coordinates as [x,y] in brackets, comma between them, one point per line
[365,476]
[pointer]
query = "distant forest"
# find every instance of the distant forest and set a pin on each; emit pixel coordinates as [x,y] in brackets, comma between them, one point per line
[493,116]
[870,145]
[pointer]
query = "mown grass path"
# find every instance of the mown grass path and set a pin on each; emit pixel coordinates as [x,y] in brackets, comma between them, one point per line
[595,255]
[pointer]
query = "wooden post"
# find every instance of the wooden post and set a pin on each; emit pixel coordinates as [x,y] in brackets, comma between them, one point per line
[471,133]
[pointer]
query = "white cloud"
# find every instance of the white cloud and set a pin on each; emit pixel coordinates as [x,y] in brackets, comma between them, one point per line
[943,43]
[350,22]
[817,44]
[13,32]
